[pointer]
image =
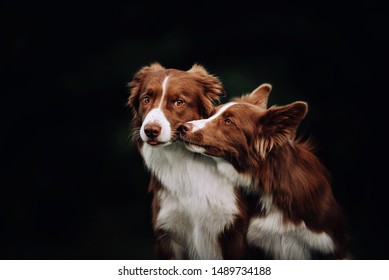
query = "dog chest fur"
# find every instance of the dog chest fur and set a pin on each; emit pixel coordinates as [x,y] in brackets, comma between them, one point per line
[196,203]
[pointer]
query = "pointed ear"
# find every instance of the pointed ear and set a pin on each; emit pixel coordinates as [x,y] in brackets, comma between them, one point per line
[211,86]
[278,125]
[257,97]
[260,95]
[198,69]
[136,84]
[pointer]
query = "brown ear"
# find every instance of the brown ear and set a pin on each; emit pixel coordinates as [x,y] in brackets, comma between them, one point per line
[278,125]
[259,96]
[211,86]
[136,84]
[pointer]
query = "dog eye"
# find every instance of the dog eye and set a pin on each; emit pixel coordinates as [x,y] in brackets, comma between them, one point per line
[179,102]
[146,99]
[228,121]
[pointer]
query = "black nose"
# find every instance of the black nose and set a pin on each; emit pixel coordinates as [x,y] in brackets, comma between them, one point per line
[152,130]
[186,127]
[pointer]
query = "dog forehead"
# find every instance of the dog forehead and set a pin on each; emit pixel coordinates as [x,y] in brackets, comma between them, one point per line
[222,109]
[183,79]
[161,74]
[178,80]
[154,79]
[239,109]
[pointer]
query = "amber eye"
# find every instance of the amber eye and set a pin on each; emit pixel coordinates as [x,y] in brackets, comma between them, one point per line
[146,99]
[179,102]
[228,121]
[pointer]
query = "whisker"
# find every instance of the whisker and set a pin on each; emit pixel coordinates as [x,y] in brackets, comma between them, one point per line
[134,135]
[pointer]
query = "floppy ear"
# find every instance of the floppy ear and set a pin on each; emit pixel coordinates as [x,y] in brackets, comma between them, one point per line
[211,86]
[278,125]
[258,96]
[136,84]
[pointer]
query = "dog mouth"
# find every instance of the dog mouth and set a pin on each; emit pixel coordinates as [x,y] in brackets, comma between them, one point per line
[154,142]
[200,148]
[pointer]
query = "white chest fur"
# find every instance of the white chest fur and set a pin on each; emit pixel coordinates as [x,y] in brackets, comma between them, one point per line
[285,240]
[197,203]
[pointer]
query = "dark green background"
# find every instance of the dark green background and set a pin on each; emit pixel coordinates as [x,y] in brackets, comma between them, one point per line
[73,187]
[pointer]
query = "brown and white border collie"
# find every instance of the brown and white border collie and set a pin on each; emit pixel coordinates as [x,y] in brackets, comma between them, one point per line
[296,215]
[197,212]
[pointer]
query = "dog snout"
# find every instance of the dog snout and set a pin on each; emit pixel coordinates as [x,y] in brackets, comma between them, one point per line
[152,130]
[186,127]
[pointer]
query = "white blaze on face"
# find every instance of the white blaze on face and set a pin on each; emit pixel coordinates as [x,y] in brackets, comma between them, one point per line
[156,115]
[199,124]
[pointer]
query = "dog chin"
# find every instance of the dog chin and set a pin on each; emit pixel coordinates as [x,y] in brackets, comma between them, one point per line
[195,149]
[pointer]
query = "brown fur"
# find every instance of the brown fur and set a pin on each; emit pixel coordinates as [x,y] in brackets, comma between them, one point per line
[262,144]
[233,240]
[198,89]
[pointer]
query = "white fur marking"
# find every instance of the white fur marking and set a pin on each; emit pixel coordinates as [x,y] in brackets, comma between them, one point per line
[285,240]
[196,149]
[164,86]
[197,203]
[157,115]
[228,170]
[199,124]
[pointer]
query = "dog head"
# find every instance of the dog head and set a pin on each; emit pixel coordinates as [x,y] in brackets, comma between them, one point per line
[163,99]
[243,131]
